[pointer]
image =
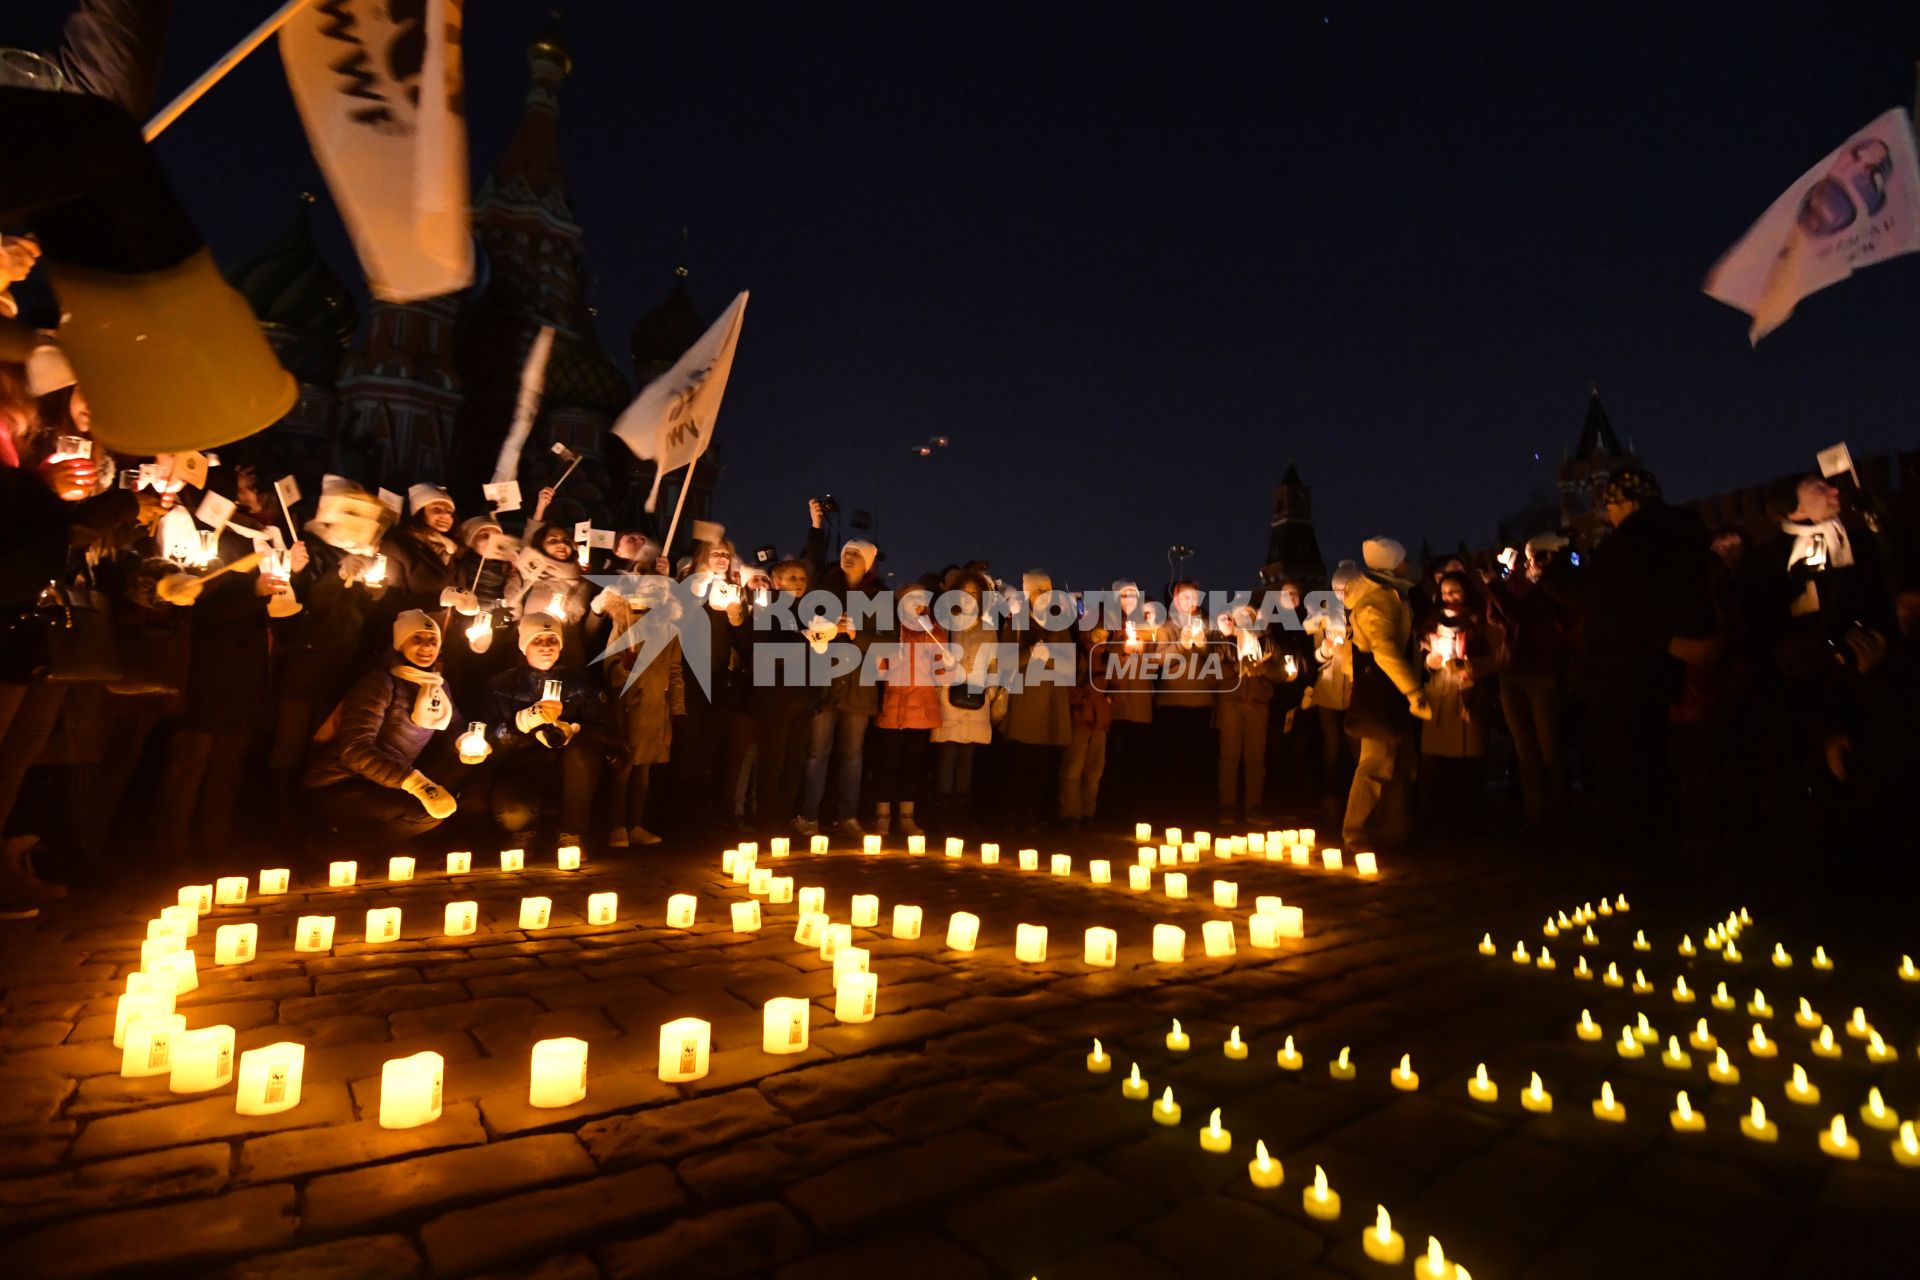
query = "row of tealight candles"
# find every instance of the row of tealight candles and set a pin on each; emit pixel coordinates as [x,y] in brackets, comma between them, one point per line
[229,891]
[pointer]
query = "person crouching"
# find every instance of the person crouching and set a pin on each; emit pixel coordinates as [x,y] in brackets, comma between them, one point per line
[552,728]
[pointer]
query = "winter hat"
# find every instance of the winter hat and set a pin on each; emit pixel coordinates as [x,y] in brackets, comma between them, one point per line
[535,625]
[411,622]
[1546,542]
[1383,555]
[1346,571]
[48,370]
[473,526]
[867,552]
[1631,484]
[421,496]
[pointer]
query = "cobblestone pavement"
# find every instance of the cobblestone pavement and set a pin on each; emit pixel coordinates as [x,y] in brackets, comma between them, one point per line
[960,1132]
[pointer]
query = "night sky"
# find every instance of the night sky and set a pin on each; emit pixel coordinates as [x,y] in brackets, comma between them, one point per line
[1132,260]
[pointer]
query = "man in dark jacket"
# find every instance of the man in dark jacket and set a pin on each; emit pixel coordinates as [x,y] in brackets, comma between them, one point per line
[552,729]
[780,698]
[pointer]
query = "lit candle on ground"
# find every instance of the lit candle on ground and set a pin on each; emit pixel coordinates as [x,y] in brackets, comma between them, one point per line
[1367,865]
[1686,946]
[1629,1045]
[1099,1062]
[1215,1139]
[1060,864]
[1730,953]
[1133,1087]
[1189,852]
[818,844]
[341,875]
[383,924]
[1487,947]
[855,995]
[269,1079]
[1404,1077]
[1821,961]
[202,1060]
[906,922]
[865,913]
[535,912]
[1102,948]
[1676,1057]
[1908,971]
[462,918]
[603,908]
[759,882]
[1824,1045]
[1226,894]
[1030,943]
[1641,987]
[1879,1051]
[459,864]
[1235,1047]
[229,891]
[1481,1089]
[236,943]
[835,938]
[1169,856]
[1755,1124]
[1289,1058]
[780,847]
[1781,960]
[1605,908]
[812,898]
[1293,922]
[1837,1142]
[1640,942]
[783,1024]
[1582,971]
[1721,1070]
[1178,1041]
[780,890]
[680,910]
[684,1045]
[1029,859]
[1758,1006]
[197,898]
[1100,871]
[1703,1038]
[1434,1266]
[1605,1107]
[313,933]
[1341,1068]
[1520,955]
[1682,993]
[1589,936]
[1722,998]
[1546,959]
[989,854]
[1169,944]
[1173,836]
[1802,1090]
[1381,1242]
[183,921]
[1806,1017]
[1684,1118]
[1319,1200]
[148,1050]
[400,867]
[1587,1029]
[1643,1030]
[1216,937]
[274,881]
[410,1090]
[1857,1025]
[1535,1098]
[869,844]
[746,916]
[1874,1113]
[1263,930]
[1332,859]
[1175,884]
[1166,1111]
[1267,1174]
[1612,976]
[1906,1147]
[1139,879]
[1550,929]
[1619,904]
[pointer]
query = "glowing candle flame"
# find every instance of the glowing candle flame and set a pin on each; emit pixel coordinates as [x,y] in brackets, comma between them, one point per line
[1680,986]
[1613,971]
[1826,1038]
[1799,1084]
[1909,1142]
[1260,1156]
[1858,1023]
[1319,1183]
[1233,1037]
[1720,1062]
[1820,956]
[1134,1078]
[1838,1131]
[1780,955]
[1806,1010]
[1684,1107]
[1536,1090]
[1876,1046]
[1406,1066]
[1436,1257]
[1640,939]
[1875,1103]
[1166,1100]
[1176,1029]
[1586,1019]
[1758,1113]
[1100,1053]
[1289,1049]
[1627,1036]
[1642,1027]
[1606,1095]
[1213,1123]
[1760,1005]
[1382,1224]
[1343,1057]
[1480,1075]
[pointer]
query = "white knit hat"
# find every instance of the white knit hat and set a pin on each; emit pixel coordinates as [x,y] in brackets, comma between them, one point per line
[535,625]
[411,622]
[48,370]
[1383,555]
[867,552]
[421,496]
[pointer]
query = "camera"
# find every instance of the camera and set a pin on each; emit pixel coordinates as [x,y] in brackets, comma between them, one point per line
[829,505]
[765,555]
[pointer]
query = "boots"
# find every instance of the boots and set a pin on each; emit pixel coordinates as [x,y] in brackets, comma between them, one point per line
[882,818]
[907,826]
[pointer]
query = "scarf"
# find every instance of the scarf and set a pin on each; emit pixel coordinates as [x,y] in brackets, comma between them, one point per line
[1818,544]
[432,709]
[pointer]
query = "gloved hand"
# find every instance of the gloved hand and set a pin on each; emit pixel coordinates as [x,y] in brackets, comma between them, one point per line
[604,601]
[434,798]
[354,567]
[464,603]
[1417,703]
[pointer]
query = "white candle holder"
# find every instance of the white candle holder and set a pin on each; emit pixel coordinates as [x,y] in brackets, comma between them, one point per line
[149,1045]
[759,881]
[808,928]
[866,910]
[513,859]
[1217,937]
[746,917]
[236,943]
[462,918]
[916,844]
[1102,947]
[1060,864]
[1029,859]
[536,912]
[780,889]
[813,899]
[410,1090]
[1263,930]
[1030,943]
[1169,944]
[400,868]
[779,847]
[854,997]
[270,1079]
[956,847]
[963,931]
[202,1060]
[313,933]
[274,881]
[1139,878]
[383,924]
[152,998]
[906,922]
[230,891]
[817,844]
[459,864]
[680,910]
[341,875]
[557,1072]
[850,960]
[1226,894]
[184,968]
[834,938]
[603,908]
[1292,922]
[684,1046]
[197,898]
[989,854]
[184,919]
[784,1026]
[1100,871]
[1175,884]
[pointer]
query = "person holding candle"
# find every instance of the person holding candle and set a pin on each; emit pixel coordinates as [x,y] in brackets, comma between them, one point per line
[1332,689]
[780,695]
[553,730]
[474,605]
[838,735]
[362,783]
[1090,710]
[1539,631]
[1130,629]
[1038,725]
[421,552]
[966,696]
[648,702]
[1463,653]
[1387,694]
[914,665]
[546,581]
[1241,712]
[1183,707]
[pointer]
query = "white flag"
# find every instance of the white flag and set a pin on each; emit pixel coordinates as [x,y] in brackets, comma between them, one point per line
[1857,207]
[379,90]
[671,423]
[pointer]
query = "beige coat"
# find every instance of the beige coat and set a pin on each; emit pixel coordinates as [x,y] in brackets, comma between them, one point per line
[1380,622]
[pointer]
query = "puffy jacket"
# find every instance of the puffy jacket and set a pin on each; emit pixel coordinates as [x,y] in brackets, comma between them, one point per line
[371,734]
[1380,622]
[914,670]
[583,701]
[973,663]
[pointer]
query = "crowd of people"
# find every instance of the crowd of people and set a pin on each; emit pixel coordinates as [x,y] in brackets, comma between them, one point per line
[338,674]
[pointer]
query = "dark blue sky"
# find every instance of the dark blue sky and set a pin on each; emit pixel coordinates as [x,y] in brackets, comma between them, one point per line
[1133,259]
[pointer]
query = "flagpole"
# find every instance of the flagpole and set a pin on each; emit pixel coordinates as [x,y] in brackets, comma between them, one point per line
[214,74]
[686,483]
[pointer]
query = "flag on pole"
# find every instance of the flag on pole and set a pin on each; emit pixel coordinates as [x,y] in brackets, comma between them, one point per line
[526,405]
[1857,207]
[378,86]
[671,423]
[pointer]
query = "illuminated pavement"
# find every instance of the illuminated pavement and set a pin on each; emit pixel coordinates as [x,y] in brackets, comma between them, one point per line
[959,1133]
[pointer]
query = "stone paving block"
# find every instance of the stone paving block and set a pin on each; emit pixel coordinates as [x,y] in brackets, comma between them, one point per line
[992,1048]
[515,1037]
[539,1222]
[598,993]
[463,1016]
[644,1016]
[922,1255]
[31,1035]
[1760,1201]
[1113,1258]
[35,1148]
[996,1009]
[507,1110]
[561,1266]
[727,975]
[1024,1226]
[406,1188]
[847,1085]
[321,1033]
[205,1118]
[1216,1235]
[275,1157]
[669,1132]
[34,1099]
[744,1241]
[362,979]
[168,1239]
[240,1015]
[972,1100]
[1421,1132]
[389,1257]
[761,1166]
[161,1175]
[530,983]
[747,1064]
[889,1184]
[886,1030]
[382,999]
[1074,1124]
[1541,1188]
[1614,1239]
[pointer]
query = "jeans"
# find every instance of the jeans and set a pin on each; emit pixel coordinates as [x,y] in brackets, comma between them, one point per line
[1243,754]
[1080,772]
[837,738]
[1536,712]
[781,764]
[952,769]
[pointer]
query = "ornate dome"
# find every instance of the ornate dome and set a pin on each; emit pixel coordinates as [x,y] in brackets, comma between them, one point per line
[663,334]
[579,375]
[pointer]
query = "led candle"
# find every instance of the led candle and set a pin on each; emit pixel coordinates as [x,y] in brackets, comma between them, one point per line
[1587,1029]
[746,916]
[866,910]
[1676,1057]
[1203,841]
[680,910]
[1178,1041]
[1291,1058]
[1715,939]
[1173,836]
[1481,1089]
[808,928]
[1520,955]
[743,869]
[603,908]
[462,918]
[1781,960]
[759,882]
[1857,1025]
[1216,937]
[1060,864]
[1824,1045]
[1102,947]
[1235,1047]
[269,1079]
[1366,865]
[182,968]
[1263,931]
[1143,832]
[780,890]
[1686,946]
[1589,936]
[1166,1111]
[1641,987]
[1263,1168]
[1581,971]
[1629,1045]
[963,931]
[410,1090]
[1341,1068]
[1318,1200]
[459,864]
[513,859]
[341,875]
[536,912]
[906,921]
[834,939]
[1640,942]
[1619,904]
[1758,1006]
[812,898]
[1175,883]
[1487,947]
[854,996]
[236,943]
[230,890]
[1213,1138]
[850,960]
[148,1050]
[1189,853]
[183,919]
[1404,1077]
[989,854]
[916,844]
[196,897]
[780,847]
[1906,1147]
[1908,971]
[1535,1098]
[274,880]
[1099,1062]
[1643,1030]
[400,867]
[1874,1113]
[1307,836]
[1730,953]
[1100,871]
[1821,961]
[1546,959]
[383,924]
[1760,1046]
[1434,1266]
[1837,1142]
[1722,999]
[1133,1087]
[1605,1107]
[784,1025]
[684,1044]
[1257,841]
[818,844]
[1682,994]
[1332,859]
[1381,1242]
[1029,859]
[1612,976]
[1684,1118]
[1292,921]
[1226,894]
[313,933]
[1139,879]
[1605,908]
[1169,944]
[1297,856]
[750,850]
[202,1060]
[955,847]
[1802,1090]
[1169,855]
[1879,1052]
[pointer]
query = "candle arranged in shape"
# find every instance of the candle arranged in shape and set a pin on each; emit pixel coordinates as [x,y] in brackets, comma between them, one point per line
[410,1090]
[1215,1139]
[1267,1174]
[1481,1089]
[1381,1242]
[1166,1111]
[1099,1062]
[1319,1200]
[1133,1087]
